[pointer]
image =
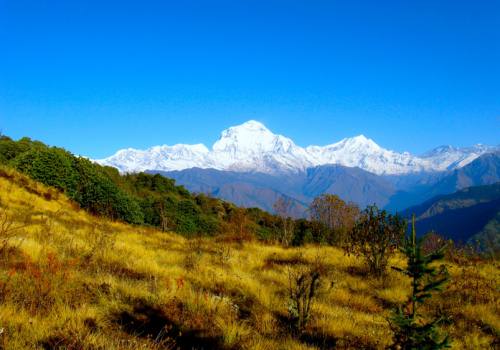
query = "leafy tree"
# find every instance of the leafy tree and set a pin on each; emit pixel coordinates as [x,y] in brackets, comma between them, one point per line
[10,149]
[336,215]
[207,225]
[411,331]
[97,193]
[375,237]
[187,217]
[51,166]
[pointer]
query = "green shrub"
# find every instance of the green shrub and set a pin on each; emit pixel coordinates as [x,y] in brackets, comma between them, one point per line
[411,330]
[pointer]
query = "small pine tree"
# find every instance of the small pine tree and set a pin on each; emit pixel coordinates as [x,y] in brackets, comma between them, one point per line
[410,330]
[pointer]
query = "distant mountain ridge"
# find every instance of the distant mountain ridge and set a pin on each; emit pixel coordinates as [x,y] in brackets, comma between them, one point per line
[262,190]
[251,147]
[469,215]
[414,189]
[351,184]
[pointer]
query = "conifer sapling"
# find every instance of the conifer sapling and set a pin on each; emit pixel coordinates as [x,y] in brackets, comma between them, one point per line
[411,330]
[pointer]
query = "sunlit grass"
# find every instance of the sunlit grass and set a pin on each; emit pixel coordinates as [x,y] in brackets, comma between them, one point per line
[71,280]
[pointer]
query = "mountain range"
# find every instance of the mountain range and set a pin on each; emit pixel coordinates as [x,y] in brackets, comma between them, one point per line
[251,147]
[251,166]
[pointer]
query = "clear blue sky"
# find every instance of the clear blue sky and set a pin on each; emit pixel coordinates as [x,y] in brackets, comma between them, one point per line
[96,76]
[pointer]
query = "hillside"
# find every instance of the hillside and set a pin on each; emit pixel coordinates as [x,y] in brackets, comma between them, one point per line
[70,280]
[464,216]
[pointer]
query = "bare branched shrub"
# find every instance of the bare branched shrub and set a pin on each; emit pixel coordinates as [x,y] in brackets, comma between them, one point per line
[303,287]
[432,242]
[238,229]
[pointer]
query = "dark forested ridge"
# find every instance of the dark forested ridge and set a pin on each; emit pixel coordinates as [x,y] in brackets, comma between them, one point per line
[467,216]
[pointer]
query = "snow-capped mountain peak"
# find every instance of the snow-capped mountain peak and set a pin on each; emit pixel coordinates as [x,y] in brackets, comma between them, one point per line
[449,157]
[357,143]
[251,146]
[251,136]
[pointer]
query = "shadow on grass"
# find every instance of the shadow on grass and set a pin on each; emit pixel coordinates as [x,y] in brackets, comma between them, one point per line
[316,338]
[320,341]
[323,341]
[61,341]
[275,260]
[147,321]
[358,271]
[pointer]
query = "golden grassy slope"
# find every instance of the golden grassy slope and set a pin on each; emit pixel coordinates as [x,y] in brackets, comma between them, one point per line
[69,280]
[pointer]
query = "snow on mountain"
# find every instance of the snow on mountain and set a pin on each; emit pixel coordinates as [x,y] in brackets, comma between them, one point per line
[449,157]
[251,147]
[364,153]
[175,157]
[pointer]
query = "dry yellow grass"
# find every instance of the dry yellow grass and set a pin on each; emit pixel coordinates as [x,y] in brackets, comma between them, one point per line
[69,280]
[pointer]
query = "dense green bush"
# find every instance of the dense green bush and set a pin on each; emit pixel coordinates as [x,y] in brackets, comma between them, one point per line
[52,167]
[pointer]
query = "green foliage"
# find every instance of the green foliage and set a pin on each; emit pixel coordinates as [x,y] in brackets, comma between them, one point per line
[268,226]
[10,149]
[304,232]
[411,331]
[375,237]
[51,166]
[101,196]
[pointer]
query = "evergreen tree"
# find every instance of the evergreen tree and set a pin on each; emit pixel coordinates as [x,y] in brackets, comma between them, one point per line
[411,331]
